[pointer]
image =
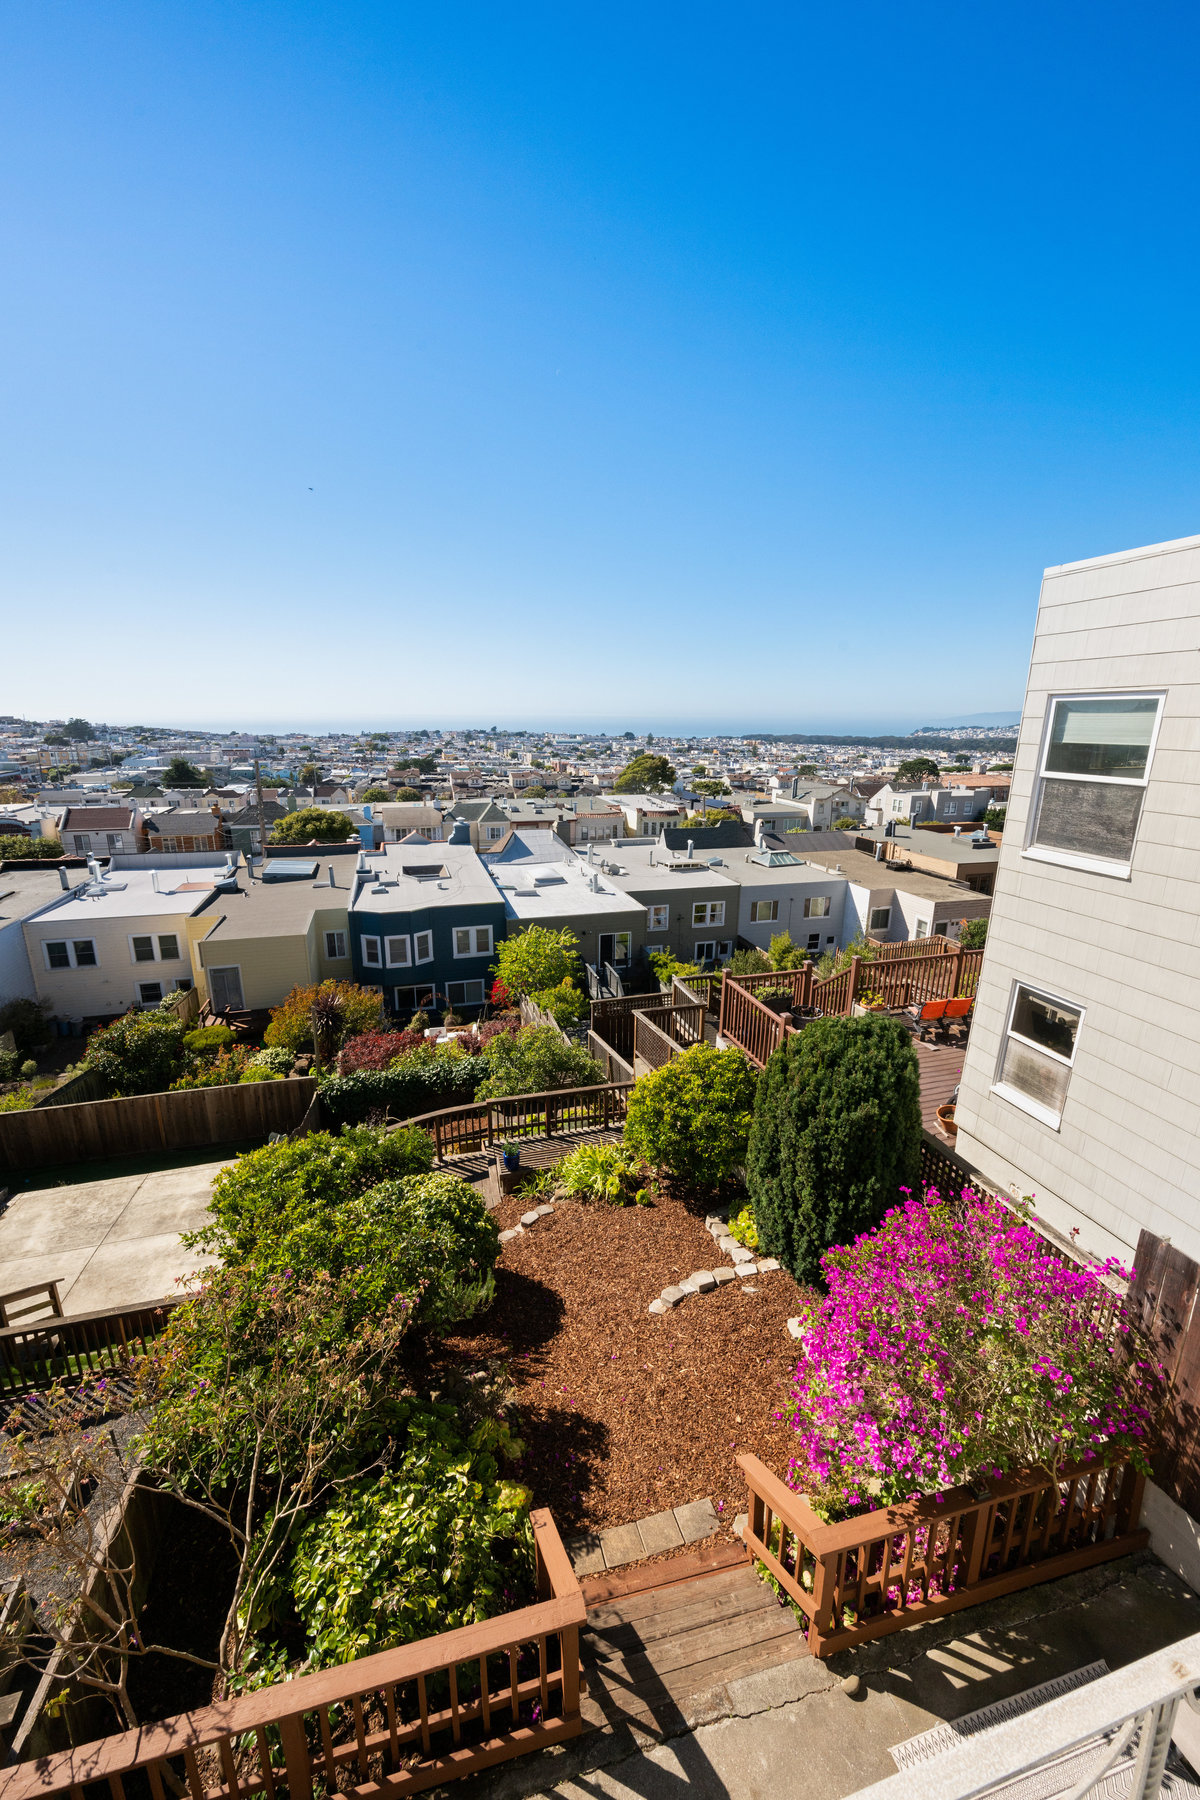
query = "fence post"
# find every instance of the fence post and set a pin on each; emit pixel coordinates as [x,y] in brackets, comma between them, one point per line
[823,1622]
[958,962]
[296,1761]
[852,991]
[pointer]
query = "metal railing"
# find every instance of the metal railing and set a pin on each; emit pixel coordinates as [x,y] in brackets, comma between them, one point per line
[1119,1720]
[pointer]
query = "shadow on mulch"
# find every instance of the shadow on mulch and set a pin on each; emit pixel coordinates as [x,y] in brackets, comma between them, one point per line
[526,1311]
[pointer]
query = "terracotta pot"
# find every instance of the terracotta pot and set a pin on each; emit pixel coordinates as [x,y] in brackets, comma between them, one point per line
[945,1118]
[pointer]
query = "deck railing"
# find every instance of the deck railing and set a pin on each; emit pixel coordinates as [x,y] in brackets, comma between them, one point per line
[901,1565]
[750,1023]
[395,1723]
[612,1019]
[97,1343]
[458,1130]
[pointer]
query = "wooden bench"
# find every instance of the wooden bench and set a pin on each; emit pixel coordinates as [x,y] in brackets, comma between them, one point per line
[25,1305]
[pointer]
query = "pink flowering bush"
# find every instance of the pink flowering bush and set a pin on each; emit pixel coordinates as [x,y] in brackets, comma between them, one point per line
[951,1344]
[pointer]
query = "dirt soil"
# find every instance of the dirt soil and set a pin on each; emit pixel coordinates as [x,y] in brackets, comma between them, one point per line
[624,1414]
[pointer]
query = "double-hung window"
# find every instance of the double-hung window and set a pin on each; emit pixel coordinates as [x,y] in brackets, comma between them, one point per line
[473,940]
[146,949]
[399,952]
[1095,765]
[1038,1052]
[371,954]
[763,912]
[660,918]
[708,912]
[149,993]
[335,946]
[70,953]
[881,918]
[816,906]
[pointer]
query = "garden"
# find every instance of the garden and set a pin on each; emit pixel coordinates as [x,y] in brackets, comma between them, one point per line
[388,1367]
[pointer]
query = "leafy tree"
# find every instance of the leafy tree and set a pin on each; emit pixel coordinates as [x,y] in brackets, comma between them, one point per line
[994,817]
[408,793]
[712,790]
[845,824]
[565,1003]
[179,773]
[78,731]
[832,963]
[807,771]
[310,774]
[785,954]
[535,791]
[536,1060]
[917,768]
[18,847]
[699,769]
[26,1019]
[291,1027]
[715,815]
[312,824]
[691,1118]
[536,959]
[645,774]
[836,1135]
[375,793]
[141,1053]
[749,962]
[973,935]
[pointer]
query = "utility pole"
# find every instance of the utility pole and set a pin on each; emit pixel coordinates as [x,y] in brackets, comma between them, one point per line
[262,820]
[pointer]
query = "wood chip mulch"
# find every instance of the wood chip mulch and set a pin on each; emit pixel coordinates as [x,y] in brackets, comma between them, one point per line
[624,1414]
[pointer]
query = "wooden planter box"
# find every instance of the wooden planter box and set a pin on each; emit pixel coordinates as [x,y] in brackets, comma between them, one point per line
[396,1723]
[901,1565]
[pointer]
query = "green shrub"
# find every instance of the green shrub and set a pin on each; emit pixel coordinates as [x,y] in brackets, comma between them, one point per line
[17,1102]
[26,1019]
[565,1003]
[269,1191]
[209,1037]
[536,959]
[141,1053]
[691,1118]
[785,954]
[667,967]
[309,824]
[10,1064]
[748,962]
[360,1009]
[256,1072]
[225,1069]
[973,935]
[28,1069]
[278,1060]
[743,1228]
[438,1542]
[536,1061]
[414,1084]
[17,848]
[601,1172]
[836,1135]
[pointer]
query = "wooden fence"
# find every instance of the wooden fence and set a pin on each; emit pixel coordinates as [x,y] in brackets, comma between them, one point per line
[613,1019]
[899,981]
[396,1723]
[147,1124]
[662,1032]
[87,1085]
[99,1343]
[902,1565]
[459,1130]
[1165,1293]
[615,1067]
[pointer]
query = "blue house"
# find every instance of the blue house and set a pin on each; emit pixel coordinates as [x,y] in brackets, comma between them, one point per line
[424,924]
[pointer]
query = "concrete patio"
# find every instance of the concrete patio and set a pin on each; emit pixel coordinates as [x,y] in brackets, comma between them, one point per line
[107,1243]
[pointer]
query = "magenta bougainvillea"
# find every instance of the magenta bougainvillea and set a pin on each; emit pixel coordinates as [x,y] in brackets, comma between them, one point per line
[953,1343]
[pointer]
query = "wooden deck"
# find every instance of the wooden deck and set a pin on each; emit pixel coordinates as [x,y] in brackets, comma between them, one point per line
[941,1068]
[648,1655]
[536,1153]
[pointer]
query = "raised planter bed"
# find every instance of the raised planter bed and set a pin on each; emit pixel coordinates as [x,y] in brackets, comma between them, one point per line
[901,1565]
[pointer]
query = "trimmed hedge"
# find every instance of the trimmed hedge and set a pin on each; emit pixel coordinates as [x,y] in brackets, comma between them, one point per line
[836,1135]
[411,1088]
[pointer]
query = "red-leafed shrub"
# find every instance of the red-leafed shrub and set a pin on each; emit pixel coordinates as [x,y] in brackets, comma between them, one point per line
[377,1049]
[500,995]
[506,1026]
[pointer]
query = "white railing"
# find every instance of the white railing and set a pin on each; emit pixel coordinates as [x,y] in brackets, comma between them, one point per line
[1121,1722]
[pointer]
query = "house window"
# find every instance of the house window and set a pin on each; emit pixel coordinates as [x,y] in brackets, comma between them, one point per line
[371,956]
[335,946]
[814,940]
[708,912]
[143,949]
[816,906]
[493,832]
[922,930]
[115,841]
[1092,780]
[660,918]
[183,985]
[464,993]
[73,953]
[763,911]
[149,993]
[1038,1052]
[168,947]
[83,843]
[705,953]
[881,918]
[473,940]
[423,947]
[940,930]
[413,999]
[399,952]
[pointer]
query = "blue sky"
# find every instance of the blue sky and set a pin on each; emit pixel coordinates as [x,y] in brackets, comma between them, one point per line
[651,366]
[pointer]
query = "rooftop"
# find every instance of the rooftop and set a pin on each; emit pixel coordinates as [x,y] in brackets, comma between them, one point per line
[133,893]
[404,878]
[942,845]
[25,891]
[280,908]
[551,890]
[860,867]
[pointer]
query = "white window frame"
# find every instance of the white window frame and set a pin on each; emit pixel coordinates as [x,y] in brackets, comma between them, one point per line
[464,999]
[875,922]
[70,945]
[1069,859]
[145,937]
[705,951]
[372,953]
[760,917]
[1015,1096]
[920,929]
[156,1000]
[404,960]
[479,941]
[658,918]
[169,937]
[337,938]
[83,843]
[422,947]
[708,912]
[817,906]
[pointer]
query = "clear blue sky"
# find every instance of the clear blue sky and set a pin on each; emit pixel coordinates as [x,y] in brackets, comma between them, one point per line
[648,365]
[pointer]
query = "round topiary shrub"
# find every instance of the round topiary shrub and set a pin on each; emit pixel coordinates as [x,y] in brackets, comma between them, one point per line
[690,1119]
[836,1135]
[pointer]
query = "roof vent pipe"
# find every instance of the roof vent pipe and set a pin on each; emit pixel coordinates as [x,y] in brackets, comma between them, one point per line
[332,878]
[62,877]
[691,849]
[878,851]
[154,881]
[360,866]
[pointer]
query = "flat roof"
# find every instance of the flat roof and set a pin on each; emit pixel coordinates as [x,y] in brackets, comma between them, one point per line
[647,864]
[553,890]
[861,868]
[258,909]
[942,844]
[404,878]
[131,893]
[25,891]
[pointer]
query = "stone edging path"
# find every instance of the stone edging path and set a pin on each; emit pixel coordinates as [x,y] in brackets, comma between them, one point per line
[593,1552]
[742,1264]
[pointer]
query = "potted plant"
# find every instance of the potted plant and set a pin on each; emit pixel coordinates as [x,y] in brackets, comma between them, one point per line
[510,1156]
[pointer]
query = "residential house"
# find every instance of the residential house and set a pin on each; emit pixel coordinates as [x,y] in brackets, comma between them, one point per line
[24,892]
[402,818]
[180,833]
[544,882]
[689,908]
[288,927]
[955,855]
[101,830]
[647,815]
[780,892]
[590,819]
[424,924]
[1081,1083]
[487,820]
[242,825]
[894,905]
[914,805]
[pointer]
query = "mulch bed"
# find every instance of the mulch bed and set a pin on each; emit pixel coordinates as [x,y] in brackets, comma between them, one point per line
[624,1414]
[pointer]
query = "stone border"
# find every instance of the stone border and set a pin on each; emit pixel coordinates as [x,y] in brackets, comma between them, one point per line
[591,1553]
[527,1219]
[704,1281]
